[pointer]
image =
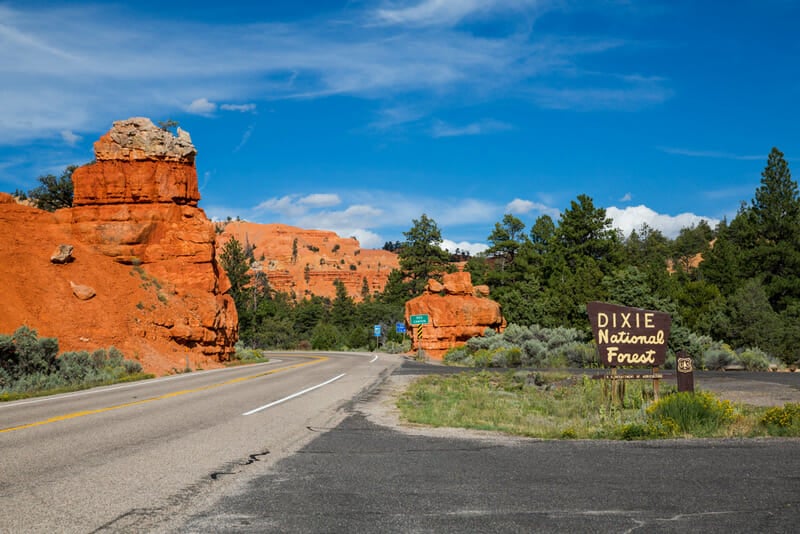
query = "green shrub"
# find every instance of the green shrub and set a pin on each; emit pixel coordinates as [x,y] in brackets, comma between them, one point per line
[783,421]
[698,414]
[756,359]
[718,357]
[24,353]
[456,355]
[325,336]
[533,346]
[28,365]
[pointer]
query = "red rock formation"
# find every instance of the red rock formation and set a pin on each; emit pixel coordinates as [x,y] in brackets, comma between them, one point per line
[327,256]
[138,163]
[139,242]
[457,311]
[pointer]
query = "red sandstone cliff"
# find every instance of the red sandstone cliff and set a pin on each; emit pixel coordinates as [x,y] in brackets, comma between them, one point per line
[457,311]
[140,242]
[322,257]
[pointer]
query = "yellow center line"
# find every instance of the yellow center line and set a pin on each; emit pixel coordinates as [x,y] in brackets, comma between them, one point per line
[75,415]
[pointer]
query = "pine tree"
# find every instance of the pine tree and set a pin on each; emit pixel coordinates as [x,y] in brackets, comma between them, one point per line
[421,257]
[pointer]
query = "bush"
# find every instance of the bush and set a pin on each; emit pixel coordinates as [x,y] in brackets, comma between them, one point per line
[325,336]
[756,359]
[718,357]
[783,421]
[521,346]
[24,353]
[698,414]
[28,365]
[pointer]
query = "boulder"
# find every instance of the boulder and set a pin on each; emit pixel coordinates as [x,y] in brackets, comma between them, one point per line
[434,286]
[81,291]
[62,254]
[454,317]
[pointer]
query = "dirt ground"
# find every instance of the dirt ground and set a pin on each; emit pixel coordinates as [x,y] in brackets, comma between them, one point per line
[758,391]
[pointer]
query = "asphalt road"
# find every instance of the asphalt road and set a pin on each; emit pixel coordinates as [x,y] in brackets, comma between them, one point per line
[363,476]
[129,457]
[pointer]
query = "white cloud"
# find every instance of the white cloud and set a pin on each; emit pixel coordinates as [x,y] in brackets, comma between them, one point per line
[70,138]
[201,106]
[632,218]
[472,248]
[629,97]
[355,216]
[627,197]
[442,12]
[243,108]
[245,137]
[442,129]
[321,200]
[285,206]
[391,117]
[365,238]
[63,81]
[458,212]
[716,154]
[521,207]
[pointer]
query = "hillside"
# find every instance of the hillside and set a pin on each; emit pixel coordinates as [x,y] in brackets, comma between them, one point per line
[321,258]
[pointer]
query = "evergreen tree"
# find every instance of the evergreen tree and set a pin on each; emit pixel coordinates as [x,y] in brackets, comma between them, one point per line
[543,233]
[236,264]
[585,231]
[54,193]
[421,257]
[775,214]
[505,239]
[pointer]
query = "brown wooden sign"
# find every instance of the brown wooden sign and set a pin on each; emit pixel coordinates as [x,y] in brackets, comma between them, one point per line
[629,336]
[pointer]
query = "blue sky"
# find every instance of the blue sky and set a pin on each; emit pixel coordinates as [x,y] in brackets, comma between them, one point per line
[359,116]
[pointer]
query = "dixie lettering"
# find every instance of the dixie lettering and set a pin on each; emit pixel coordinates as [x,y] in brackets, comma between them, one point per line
[629,336]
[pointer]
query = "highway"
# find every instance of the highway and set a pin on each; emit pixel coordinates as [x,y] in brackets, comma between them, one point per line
[126,457]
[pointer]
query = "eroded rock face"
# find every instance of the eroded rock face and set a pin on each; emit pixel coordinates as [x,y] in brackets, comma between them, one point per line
[456,310]
[141,243]
[138,162]
[307,262]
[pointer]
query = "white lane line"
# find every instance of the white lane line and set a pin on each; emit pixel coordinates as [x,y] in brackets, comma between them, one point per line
[293,395]
[373,359]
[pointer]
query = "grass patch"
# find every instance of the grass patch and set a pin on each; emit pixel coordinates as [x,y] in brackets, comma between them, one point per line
[244,356]
[19,395]
[562,406]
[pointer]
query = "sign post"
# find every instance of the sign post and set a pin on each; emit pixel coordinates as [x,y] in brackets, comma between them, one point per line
[685,371]
[377,331]
[629,337]
[419,321]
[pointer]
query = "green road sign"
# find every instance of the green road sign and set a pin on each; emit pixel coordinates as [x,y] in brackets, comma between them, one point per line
[419,319]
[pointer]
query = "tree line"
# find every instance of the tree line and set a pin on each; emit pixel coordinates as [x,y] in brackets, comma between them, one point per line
[745,292]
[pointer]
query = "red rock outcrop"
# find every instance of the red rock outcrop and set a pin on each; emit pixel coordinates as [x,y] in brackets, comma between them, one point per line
[140,242]
[456,310]
[321,258]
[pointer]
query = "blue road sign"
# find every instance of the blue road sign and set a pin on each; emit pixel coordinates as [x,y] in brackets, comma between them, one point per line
[377,329]
[400,328]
